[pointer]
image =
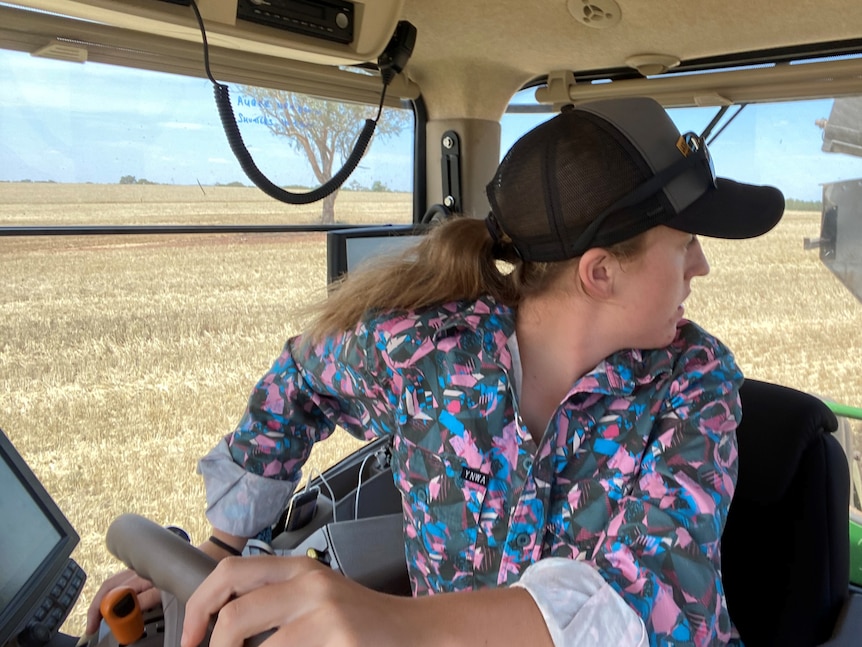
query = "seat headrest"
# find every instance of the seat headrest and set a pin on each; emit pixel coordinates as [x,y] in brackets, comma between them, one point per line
[778,425]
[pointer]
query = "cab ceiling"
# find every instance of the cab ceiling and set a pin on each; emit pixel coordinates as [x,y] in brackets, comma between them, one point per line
[508,42]
[472,55]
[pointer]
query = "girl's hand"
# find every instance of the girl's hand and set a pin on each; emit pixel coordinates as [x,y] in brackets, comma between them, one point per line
[310,605]
[306,602]
[148,596]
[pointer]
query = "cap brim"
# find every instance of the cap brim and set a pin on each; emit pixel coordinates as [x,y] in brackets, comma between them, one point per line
[732,210]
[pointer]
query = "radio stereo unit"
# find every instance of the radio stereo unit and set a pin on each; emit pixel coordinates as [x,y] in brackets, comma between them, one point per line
[328,19]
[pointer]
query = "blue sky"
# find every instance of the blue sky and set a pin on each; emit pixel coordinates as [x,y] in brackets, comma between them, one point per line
[777,144]
[68,122]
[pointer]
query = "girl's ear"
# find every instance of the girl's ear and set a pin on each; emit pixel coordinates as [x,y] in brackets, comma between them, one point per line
[596,272]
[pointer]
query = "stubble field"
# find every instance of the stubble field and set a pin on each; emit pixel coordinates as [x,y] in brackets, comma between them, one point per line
[124,359]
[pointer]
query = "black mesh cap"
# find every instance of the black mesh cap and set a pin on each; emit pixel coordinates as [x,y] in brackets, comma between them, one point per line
[622,164]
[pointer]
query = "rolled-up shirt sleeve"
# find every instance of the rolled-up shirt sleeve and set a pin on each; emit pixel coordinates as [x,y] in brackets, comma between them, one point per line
[251,474]
[239,502]
[579,607]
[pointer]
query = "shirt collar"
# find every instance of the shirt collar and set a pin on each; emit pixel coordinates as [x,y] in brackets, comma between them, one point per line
[623,371]
[618,374]
[484,313]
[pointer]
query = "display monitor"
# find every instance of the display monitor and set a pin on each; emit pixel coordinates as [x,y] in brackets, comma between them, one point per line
[39,582]
[348,248]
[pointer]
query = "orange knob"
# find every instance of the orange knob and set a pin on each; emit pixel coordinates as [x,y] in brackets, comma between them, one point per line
[122,611]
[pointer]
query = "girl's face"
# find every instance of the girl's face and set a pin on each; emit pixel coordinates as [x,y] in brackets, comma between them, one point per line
[653,286]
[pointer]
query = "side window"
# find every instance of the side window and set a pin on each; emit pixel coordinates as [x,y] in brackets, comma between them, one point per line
[127,353]
[781,302]
[95,126]
[523,114]
[789,304]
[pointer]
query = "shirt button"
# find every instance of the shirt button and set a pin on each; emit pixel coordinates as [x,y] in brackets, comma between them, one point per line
[422,495]
[528,463]
[522,540]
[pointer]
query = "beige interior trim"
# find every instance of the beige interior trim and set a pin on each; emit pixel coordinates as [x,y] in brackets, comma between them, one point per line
[784,82]
[446,92]
[374,24]
[29,32]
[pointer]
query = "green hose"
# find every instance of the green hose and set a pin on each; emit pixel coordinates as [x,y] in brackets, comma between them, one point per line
[854,413]
[845,410]
[855,548]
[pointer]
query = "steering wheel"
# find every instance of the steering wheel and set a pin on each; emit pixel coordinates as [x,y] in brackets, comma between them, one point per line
[173,566]
[170,563]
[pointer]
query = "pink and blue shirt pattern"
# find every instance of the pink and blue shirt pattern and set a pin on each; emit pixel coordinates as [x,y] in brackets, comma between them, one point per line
[634,474]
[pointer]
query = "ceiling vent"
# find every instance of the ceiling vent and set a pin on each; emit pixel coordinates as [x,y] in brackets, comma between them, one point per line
[598,14]
[63,51]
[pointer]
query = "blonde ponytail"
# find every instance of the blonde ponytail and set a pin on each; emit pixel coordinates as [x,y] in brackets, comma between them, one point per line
[453,261]
[457,260]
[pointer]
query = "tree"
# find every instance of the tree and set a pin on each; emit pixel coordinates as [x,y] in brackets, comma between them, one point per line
[131,179]
[325,131]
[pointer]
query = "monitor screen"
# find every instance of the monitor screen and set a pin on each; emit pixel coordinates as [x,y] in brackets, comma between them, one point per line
[36,541]
[346,249]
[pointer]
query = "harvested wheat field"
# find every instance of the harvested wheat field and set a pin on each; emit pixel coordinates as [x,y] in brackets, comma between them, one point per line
[123,359]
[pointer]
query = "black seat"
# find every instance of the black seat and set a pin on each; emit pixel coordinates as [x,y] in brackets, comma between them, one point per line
[785,549]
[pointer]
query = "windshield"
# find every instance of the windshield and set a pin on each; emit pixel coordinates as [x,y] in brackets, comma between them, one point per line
[123,358]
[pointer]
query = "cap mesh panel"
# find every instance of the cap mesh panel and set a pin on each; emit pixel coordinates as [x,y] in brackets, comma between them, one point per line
[555,180]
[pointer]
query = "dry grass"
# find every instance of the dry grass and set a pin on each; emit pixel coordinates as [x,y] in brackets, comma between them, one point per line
[111,204]
[123,359]
[787,318]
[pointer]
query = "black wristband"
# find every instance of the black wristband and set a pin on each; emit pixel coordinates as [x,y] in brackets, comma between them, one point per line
[179,532]
[225,547]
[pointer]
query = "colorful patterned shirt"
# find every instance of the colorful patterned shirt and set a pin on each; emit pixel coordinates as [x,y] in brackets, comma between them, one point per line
[634,473]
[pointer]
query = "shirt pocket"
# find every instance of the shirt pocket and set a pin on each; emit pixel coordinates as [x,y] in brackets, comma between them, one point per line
[443,498]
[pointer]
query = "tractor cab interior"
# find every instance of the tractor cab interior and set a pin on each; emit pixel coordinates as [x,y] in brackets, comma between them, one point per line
[432,93]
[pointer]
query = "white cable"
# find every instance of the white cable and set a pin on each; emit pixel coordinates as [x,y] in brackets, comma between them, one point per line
[256,547]
[329,489]
[359,486]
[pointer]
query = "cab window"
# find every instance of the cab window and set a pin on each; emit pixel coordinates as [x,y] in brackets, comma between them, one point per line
[129,348]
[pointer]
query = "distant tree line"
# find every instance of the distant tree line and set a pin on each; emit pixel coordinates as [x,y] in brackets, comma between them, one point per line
[377,187]
[792,204]
[131,179]
[29,181]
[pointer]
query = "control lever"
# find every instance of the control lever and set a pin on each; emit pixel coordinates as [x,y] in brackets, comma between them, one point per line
[122,612]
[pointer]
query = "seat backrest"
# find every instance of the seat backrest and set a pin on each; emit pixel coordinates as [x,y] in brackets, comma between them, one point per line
[785,549]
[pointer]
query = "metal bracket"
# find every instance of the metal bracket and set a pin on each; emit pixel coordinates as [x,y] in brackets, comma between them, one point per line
[558,89]
[450,166]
